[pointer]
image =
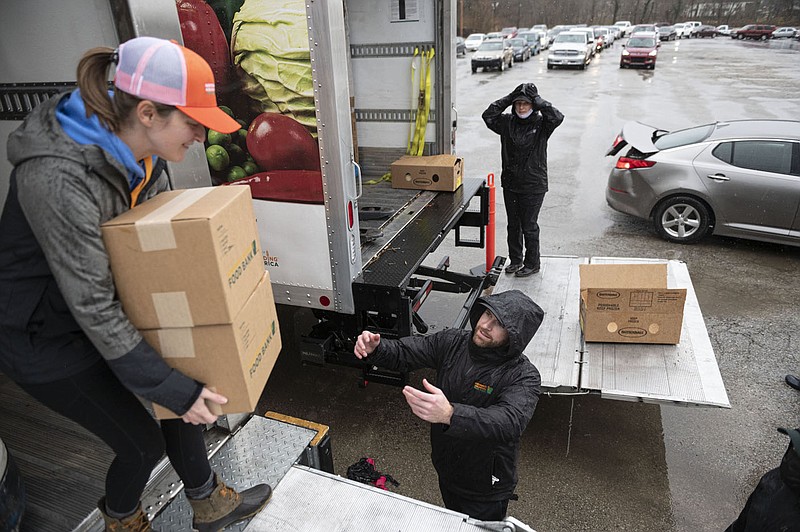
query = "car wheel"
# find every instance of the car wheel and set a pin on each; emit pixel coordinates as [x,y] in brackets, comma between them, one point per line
[682,219]
[763,37]
[549,66]
[740,37]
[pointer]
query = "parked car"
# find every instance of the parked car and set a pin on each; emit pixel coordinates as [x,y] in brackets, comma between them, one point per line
[684,30]
[694,25]
[494,35]
[667,33]
[736,178]
[570,48]
[756,31]
[603,35]
[522,50]
[784,33]
[723,29]
[624,26]
[593,41]
[493,53]
[640,50]
[474,40]
[461,48]
[650,28]
[539,27]
[544,40]
[705,31]
[534,40]
[733,33]
[509,32]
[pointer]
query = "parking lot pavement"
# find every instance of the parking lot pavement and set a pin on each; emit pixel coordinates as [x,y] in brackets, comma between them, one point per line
[589,463]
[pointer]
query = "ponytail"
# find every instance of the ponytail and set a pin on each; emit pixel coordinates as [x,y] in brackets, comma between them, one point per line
[93,82]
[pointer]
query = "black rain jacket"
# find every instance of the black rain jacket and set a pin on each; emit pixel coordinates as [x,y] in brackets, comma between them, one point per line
[775,503]
[523,142]
[493,392]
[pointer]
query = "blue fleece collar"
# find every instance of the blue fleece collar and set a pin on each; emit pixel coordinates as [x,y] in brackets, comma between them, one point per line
[71,114]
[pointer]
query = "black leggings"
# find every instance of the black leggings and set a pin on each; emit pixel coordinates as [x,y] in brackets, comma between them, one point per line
[96,400]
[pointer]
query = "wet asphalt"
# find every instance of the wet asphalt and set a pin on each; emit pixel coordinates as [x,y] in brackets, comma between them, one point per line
[589,463]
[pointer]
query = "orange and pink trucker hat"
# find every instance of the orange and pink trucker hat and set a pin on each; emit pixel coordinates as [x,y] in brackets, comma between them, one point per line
[166,72]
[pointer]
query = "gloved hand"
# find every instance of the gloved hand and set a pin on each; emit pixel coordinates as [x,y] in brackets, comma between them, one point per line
[529,90]
[538,103]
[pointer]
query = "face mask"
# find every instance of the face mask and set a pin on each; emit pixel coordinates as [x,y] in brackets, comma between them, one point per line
[525,115]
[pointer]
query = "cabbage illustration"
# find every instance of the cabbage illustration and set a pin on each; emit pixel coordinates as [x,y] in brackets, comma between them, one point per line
[269,44]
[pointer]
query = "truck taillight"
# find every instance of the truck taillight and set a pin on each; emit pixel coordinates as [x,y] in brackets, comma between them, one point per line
[325,301]
[626,163]
[350,215]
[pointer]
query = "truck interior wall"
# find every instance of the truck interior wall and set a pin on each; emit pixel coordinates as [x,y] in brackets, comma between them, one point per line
[28,57]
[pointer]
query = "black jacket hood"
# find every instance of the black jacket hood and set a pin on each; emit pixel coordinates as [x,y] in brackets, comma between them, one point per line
[517,313]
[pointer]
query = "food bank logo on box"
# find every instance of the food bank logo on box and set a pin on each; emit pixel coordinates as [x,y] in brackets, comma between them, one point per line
[263,349]
[244,262]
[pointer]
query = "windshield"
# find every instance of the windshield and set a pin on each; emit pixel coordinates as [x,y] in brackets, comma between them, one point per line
[570,38]
[683,137]
[641,42]
[491,46]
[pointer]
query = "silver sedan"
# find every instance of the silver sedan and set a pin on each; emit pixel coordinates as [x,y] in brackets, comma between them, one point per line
[739,178]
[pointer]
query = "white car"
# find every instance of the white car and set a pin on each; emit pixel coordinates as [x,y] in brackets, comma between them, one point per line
[473,41]
[570,48]
[684,30]
[784,32]
[695,24]
[724,29]
[624,26]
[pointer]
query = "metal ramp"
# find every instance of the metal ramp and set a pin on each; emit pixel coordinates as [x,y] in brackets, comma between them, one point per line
[684,374]
[309,500]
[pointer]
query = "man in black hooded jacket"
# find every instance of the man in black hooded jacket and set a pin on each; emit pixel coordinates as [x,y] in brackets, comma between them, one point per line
[484,397]
[523,138]
[775,503]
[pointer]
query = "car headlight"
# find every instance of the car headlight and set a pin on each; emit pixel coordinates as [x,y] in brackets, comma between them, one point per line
[653,53]
[625,52]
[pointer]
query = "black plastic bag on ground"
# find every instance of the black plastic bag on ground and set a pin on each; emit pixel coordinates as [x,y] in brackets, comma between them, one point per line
[364,471]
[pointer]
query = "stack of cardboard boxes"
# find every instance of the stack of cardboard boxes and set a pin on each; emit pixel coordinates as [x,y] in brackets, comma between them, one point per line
[188,270]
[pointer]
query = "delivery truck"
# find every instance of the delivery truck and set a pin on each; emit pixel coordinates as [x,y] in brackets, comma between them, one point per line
[329,95]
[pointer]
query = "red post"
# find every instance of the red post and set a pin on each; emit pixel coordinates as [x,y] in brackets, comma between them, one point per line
[490,225]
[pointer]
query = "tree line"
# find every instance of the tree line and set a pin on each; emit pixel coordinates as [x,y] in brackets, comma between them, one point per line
[492,15]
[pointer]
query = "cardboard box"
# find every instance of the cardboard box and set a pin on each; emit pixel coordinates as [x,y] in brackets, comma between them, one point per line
[186,257]
[433,172]
[233,359]
[630,303]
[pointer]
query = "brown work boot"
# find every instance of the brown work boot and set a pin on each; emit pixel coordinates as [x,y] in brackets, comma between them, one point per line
[225,506]
[133,523]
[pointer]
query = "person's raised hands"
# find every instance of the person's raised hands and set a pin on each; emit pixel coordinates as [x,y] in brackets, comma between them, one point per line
[432,406]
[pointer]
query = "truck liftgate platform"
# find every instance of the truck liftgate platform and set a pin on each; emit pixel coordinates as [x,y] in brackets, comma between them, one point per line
[684,374]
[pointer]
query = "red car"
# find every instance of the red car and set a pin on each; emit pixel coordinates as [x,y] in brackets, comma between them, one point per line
[640,50]
[706,31]
[756,31]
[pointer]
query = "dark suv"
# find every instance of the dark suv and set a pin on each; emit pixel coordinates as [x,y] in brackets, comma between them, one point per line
[756,31]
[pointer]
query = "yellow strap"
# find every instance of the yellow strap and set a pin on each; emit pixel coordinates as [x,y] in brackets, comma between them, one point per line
[148,172]
[424,107]
[385,177]
[413,127]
